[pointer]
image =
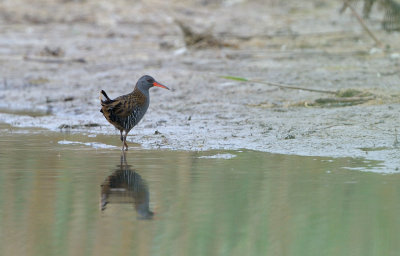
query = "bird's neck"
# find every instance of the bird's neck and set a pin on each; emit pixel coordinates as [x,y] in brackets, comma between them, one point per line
[142,97]
[142,91]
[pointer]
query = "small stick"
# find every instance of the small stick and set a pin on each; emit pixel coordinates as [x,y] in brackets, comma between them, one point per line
[396,142]
[277,84]
[79,60]
[377,41]
[345,99]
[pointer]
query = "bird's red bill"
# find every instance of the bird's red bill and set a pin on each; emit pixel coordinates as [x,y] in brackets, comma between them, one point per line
[160,85]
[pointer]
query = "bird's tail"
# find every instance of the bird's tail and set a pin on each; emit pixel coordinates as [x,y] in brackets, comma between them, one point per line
[103,102]
[105,95]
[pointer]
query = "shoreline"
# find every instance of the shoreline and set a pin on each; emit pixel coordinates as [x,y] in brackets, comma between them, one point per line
[295,138]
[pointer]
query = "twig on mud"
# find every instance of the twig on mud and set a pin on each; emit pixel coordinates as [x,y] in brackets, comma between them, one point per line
[344,100]
[285,86]
[200,40]
[78,126]
[396,141]
[369,32]
[79,60]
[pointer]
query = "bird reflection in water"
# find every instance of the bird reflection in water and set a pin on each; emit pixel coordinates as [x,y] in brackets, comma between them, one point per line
[125,185]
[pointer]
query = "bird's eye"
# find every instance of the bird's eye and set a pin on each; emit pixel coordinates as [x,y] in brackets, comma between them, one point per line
[149,80]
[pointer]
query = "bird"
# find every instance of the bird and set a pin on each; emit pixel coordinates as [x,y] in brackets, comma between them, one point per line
[125,185]
[125,112]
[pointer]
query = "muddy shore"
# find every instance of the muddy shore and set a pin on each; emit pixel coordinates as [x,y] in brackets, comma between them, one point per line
[57,55]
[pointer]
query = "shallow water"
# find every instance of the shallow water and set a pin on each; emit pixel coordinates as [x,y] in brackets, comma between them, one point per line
[73,194]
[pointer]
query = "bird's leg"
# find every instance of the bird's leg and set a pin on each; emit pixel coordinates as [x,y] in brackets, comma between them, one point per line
[122,139]
[126,145]
[123,160]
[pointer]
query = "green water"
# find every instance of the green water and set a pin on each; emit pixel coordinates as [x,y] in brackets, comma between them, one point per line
[181,204]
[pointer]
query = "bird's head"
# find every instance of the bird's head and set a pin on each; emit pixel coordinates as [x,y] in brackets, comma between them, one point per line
[146,82]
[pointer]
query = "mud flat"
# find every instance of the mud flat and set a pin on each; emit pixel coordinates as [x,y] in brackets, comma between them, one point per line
[55,58]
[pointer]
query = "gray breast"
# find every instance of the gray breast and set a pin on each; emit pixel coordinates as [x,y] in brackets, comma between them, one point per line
[134,118]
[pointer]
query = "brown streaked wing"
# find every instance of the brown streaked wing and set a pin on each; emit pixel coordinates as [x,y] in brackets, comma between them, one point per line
[124,105]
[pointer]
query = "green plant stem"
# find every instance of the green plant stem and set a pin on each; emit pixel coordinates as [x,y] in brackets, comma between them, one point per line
[285,86]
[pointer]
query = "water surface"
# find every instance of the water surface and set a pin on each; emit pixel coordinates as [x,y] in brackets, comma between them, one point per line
[74,194]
